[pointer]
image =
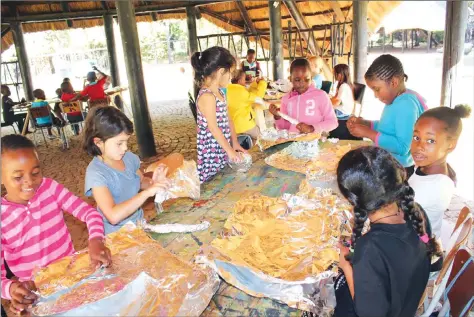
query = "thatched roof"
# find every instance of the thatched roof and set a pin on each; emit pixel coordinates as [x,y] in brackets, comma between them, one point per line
[37,15]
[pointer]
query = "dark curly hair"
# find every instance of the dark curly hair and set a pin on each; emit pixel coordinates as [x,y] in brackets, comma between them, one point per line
[104,122]
[300,62]
[206,63]
[371,178]
[385,67]
[14,142]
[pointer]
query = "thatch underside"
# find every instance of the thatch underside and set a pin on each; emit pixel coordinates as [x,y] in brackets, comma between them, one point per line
[225,15]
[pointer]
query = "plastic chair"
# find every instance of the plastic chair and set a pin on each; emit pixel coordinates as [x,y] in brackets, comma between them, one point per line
[70,108]
[458,240]
[359,91]
[326,86]
[458,296]
[42,112]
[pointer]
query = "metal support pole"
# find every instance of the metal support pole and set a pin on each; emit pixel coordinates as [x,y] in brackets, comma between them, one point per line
[276,39]
[403,40]
[428,41]
[22,59]
[109,37]
[360,32]
[455,29]
[383,40]
[133,63]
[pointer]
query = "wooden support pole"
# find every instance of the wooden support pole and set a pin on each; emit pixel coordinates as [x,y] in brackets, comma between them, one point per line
[276,40]
[192,30]
[193,39]
[133,63]
[360,32]
[22,56]
[454,32]
[428,41]
[111,50]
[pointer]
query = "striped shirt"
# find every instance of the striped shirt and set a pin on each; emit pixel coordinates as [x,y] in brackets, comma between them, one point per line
[36,235]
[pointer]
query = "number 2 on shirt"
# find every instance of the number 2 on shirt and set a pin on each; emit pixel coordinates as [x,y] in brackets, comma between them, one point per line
[310,108]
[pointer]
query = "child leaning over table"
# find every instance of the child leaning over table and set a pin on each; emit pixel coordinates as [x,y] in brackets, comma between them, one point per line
[305,103]
[34,233]
[240,101]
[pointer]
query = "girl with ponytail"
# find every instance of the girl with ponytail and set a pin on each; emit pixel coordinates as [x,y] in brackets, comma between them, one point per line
[436,135]
[216,138]
[389,267]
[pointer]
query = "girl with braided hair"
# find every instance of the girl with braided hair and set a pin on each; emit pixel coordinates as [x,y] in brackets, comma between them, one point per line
[388,271]
[435,136]
[403,107]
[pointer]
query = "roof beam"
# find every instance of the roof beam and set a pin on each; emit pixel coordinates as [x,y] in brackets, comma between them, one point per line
[246,17]
[302,24]
[336,7]
[104,5]
[306,14]
[164,7]
[6,30]
[219,17]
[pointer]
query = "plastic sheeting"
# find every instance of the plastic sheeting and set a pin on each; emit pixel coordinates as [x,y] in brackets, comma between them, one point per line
[184,183]
[144,279]
[283,248]
[272,137]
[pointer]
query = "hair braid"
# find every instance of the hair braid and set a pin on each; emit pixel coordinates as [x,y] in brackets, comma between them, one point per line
[360,216]
[385,67]
[416,216]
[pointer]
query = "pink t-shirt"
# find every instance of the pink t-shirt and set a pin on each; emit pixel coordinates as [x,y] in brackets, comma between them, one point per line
[312,107]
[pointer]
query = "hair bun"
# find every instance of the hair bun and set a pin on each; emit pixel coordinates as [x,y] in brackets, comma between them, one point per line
[462,111]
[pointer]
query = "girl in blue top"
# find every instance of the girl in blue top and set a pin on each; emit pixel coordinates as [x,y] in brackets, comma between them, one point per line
[113,177]
[394,131]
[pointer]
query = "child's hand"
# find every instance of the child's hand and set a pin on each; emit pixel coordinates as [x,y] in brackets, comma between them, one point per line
[274,111]
[235,157]
[238,148]
[162,185]
[22,297]
[354,120]
[305,128]
[358,130]
[99,253]
[159,174]
[343,252]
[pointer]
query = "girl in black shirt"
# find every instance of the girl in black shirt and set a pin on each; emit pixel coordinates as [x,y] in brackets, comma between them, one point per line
[387,269]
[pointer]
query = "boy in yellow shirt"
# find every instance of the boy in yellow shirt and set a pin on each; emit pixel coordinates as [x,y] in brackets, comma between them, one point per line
[240,101]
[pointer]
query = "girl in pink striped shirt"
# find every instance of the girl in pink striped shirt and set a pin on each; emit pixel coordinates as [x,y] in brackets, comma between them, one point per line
[34,233]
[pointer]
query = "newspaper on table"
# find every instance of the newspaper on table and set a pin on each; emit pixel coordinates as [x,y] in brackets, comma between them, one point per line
[143,280]
[283,248]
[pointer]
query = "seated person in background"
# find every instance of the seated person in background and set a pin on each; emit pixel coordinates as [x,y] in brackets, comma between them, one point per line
[95,88]
[310,106]
[34,233]
[343,102]
[40,102]
[316,63]
[435,136]
[251,67]
[240,102]
[68,95]
[9,115]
